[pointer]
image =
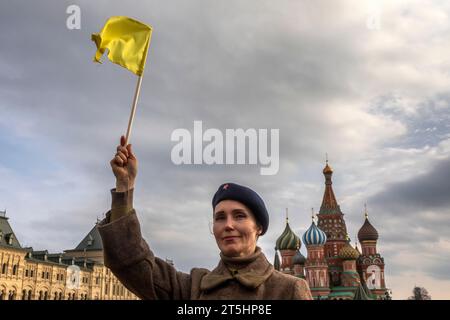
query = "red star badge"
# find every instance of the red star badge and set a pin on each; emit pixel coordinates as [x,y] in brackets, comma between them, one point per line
[225,187]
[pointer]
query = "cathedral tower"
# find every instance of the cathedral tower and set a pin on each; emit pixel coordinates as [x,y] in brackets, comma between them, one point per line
[371,264]
[287,244]
[331,221]
[316,268]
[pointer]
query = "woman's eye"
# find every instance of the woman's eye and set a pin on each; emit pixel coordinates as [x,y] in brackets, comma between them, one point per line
[218,218]
[241,216]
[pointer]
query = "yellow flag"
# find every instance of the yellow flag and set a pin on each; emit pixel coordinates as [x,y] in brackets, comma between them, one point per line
[127,41]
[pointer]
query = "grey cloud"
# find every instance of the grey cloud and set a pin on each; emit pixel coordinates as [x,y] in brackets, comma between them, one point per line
[421,192]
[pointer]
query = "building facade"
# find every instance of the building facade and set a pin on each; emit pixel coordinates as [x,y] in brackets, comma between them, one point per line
[77,274]
[333,268]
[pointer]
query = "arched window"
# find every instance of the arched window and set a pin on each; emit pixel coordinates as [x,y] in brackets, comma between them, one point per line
[45,295]
[40,295]
[29,294]
[4,268]
[24,294]
[15,270]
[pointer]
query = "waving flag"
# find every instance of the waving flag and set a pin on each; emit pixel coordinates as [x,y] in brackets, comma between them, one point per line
[127,41]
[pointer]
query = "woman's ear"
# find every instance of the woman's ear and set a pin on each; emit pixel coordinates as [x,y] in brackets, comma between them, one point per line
[210,225]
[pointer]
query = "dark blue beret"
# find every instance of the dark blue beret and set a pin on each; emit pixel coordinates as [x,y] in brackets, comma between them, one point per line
[244,195]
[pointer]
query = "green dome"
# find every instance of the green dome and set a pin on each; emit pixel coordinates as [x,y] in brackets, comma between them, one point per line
[288,240]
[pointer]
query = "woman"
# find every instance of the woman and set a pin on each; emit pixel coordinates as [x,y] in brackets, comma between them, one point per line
[243,272]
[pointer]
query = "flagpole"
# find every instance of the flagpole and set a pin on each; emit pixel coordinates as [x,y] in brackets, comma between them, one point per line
[133,109]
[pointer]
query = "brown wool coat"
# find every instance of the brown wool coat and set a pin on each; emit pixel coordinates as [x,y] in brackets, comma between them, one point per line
[129,257]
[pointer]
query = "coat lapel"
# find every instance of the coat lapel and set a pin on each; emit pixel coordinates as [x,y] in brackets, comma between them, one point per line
[250,274]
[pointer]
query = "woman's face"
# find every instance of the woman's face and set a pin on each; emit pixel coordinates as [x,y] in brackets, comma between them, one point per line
[235,229]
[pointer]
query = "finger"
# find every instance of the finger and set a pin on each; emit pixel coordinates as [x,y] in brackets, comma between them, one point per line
[130,152]
[114,163]
[118,161]
[122,156]
[122,141]
[123,150]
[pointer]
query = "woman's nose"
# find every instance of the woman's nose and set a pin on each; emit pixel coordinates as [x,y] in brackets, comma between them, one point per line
[229,225]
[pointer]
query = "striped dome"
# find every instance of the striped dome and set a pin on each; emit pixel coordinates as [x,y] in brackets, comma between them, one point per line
[314,236]
[288,240]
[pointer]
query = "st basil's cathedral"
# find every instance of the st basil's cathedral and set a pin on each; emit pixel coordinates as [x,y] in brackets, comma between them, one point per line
[333,268]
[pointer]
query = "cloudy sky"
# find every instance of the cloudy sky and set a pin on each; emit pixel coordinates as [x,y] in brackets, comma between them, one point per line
[365,81]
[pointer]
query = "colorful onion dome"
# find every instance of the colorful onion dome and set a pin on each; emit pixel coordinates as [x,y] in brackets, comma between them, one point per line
[298,258]
[348,252]
[288,239]
[367,231]
[314,236]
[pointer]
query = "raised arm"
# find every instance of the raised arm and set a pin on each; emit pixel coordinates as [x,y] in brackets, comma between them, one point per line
[126,253]
[124,166]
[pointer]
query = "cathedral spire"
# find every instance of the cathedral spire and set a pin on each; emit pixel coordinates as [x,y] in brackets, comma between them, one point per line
[329,203]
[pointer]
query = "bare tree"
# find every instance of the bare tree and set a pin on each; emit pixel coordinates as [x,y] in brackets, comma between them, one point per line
[420,293]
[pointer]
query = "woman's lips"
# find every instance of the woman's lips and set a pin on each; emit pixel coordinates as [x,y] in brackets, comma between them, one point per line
[230,238]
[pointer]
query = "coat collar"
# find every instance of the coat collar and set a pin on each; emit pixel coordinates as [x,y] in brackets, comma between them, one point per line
[249,271]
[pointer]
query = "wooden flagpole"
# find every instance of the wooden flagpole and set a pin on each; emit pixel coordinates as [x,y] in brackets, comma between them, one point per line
[133,109]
